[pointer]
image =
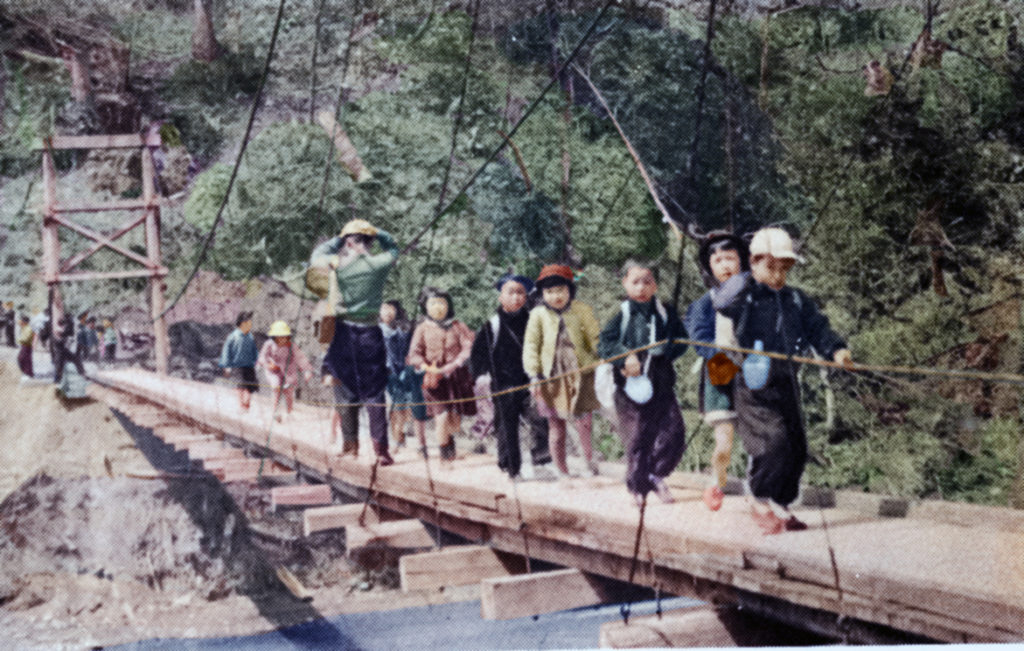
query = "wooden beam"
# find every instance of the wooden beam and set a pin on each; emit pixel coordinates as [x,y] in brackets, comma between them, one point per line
[101,241]
[207,450]
[293,584]
[183,442]
[400,534]
[118,141]
[455,566]
[324,518]
[109,206]
[112,275]
[705,626]
[301,495]
[535,594]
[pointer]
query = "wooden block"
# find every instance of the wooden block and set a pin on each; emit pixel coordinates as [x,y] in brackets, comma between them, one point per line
[301,495]
[535,594]
[293,584]
[456,566]
[184,442]
[699,627]
[213,450]
[323,518]
[402,534]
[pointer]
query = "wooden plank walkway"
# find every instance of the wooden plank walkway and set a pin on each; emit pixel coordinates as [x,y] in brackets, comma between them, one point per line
[957,578]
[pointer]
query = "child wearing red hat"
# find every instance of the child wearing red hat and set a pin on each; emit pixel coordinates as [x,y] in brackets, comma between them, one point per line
[561,338]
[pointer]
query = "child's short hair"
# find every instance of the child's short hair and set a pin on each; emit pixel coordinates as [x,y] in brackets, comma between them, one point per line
[243,317]
[633,263]
[433,292]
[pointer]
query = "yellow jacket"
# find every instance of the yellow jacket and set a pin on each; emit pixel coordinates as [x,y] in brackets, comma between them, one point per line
[542,333]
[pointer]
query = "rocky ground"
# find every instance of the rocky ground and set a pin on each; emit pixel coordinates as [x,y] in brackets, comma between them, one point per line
[93,554]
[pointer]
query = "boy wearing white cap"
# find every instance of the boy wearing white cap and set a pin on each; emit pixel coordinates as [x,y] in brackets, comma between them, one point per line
[783,320]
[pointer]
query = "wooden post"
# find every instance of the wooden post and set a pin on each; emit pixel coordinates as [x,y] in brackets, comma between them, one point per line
[161,341]
[51,241]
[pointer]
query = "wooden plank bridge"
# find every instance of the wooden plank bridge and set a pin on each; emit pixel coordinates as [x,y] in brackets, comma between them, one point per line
[938,571]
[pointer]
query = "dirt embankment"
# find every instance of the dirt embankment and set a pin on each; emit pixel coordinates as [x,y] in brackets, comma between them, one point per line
[92,556]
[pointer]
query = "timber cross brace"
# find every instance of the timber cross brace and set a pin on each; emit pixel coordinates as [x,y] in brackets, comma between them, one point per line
[56,271]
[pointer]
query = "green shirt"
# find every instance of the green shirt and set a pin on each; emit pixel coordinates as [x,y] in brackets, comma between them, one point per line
[361,279]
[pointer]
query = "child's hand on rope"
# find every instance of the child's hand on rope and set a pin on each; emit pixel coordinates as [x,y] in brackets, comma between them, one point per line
[843,358]
[631,368]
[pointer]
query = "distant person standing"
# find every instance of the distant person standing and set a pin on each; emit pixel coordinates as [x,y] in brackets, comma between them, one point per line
[109,341]
[238,357]
[7,320]
[62,353]
[25,338]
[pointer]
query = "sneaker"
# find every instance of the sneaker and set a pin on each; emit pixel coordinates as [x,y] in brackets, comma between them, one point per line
[792,524]
[638,499]
[770,523]
[662,489]
[713,497]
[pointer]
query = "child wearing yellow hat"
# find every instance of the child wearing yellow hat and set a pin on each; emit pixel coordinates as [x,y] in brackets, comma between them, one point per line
[282,361]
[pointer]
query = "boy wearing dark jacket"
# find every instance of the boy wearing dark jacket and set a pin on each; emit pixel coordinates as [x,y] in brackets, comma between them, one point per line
[498,352]
[785,320]
[652,429]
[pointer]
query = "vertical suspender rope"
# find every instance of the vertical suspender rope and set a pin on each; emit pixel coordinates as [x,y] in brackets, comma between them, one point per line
[238,162]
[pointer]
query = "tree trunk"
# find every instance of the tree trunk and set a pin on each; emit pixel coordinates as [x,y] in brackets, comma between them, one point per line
[204,41]
[78,64]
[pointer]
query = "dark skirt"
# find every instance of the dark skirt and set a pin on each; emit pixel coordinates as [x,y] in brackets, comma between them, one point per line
[245,378]
[771,426]
[357,357]
[456,386]
[406,387]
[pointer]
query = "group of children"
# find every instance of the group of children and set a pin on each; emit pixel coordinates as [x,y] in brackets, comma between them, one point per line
[555,348]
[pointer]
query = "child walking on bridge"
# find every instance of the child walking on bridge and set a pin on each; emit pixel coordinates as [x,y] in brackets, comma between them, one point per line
[282,360]
[783,320]
[238,357]
[650,421]
[440,347]
[722,255]
[561,338]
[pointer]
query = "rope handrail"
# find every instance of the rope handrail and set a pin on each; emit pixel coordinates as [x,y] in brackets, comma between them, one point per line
[1012,378]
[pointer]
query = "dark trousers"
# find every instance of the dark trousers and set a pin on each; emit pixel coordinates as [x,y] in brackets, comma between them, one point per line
[348,405]
[508,409]
[9,334]
[654,436]
[25,360]
[771,426]
[358,359]
[61,356]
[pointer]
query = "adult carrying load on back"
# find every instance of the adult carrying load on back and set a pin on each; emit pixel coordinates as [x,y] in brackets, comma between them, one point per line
[356,356]
[781,319]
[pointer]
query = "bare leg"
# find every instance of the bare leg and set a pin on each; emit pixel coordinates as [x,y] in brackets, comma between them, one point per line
[584,425]
[441,429]
[723,452]
[556,442]
[398,419]
[289,398]
[420,427]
